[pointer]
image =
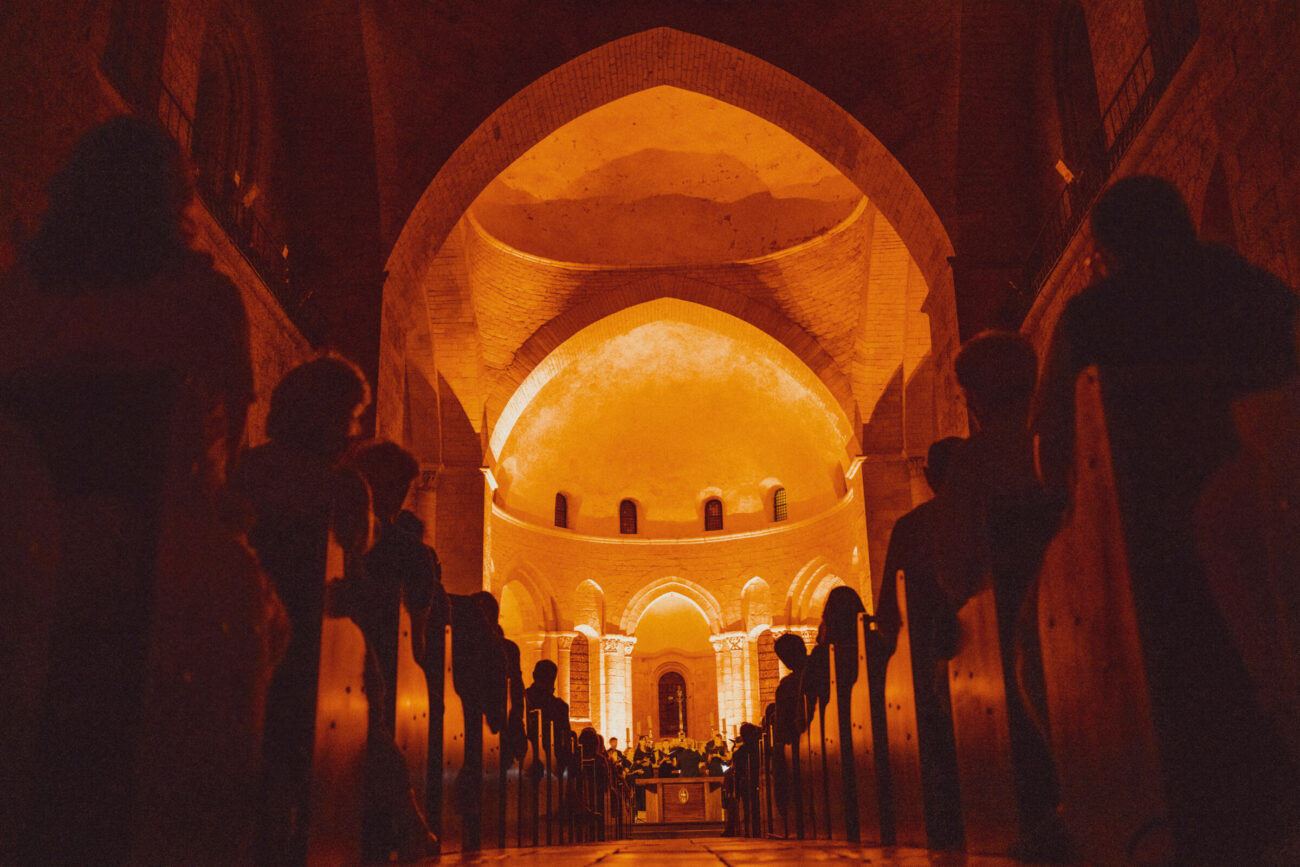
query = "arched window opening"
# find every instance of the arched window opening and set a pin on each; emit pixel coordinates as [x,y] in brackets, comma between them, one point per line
[1083,143]
[561,510]
[778,505]
[579,679]
[627,517]
[713,514]
[133,57]
[673,721]
[224,125]
[769,673]
[1172,26]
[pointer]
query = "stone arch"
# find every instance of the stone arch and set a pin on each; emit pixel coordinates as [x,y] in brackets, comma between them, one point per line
[641,600]
[533,594]
[589,608]
[797,593]
[715,301]
[756,604]
[816,598]
[665,56]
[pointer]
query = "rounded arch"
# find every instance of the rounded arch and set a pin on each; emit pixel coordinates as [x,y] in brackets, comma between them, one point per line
[589,608]
[798,587]
[756,604]
[665,56]
[544,353]
[816,599]
[642,599]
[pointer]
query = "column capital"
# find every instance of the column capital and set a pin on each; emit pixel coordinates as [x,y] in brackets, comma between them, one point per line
[729,641]
[618,644]
[563,640]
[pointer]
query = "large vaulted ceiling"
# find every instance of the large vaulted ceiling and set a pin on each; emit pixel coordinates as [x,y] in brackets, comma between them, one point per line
[668,403]
[665,177]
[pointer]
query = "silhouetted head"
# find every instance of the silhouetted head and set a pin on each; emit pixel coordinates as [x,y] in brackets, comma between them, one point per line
[487,603]
[840,615]
[544,674]
[315,407]
[117,209]
[997,370]
[589,742]
[791,650]
[1142,220]
[937,460]
[389,469]
[750,733]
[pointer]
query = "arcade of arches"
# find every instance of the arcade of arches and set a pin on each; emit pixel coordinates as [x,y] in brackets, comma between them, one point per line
[663,296]
[702,311]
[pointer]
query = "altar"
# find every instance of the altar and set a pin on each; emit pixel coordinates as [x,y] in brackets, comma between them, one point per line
[671,800]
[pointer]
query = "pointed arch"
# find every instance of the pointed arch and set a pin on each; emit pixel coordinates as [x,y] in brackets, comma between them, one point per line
[641,600]
[533,592]
[665,56]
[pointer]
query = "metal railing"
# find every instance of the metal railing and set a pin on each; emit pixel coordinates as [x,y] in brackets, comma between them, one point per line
[264,250]
[1128,111]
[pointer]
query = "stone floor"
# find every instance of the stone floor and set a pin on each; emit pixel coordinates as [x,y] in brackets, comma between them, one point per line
[712,851]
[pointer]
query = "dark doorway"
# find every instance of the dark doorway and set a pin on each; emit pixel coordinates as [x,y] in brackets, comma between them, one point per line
[672,705]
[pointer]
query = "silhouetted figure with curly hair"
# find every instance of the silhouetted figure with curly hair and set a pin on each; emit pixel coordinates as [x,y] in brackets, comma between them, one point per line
[932,634]
[995,522]
[1179,329]
[125,380]
[301,494]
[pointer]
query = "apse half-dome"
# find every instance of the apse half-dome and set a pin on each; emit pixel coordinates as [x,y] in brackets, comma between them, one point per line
[670,404]
[665,176]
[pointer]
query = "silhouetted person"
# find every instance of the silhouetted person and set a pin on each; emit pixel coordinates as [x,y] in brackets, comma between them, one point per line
[398,566]
[932,632]
[740,784]
[790,721]
[398,569]
[995,521]
[839,628]
[301,494]
[1178,330]
[687,759]
[125,381]
[552,736]
[513,716]
[716,754]
[643,767]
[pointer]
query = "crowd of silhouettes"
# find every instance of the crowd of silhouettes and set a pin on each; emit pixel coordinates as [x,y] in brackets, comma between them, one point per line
[125,383]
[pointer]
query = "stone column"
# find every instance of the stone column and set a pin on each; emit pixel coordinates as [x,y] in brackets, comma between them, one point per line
[733,694]
[720,661]
[563,645]
[616,662]
[736,642]
[752,685]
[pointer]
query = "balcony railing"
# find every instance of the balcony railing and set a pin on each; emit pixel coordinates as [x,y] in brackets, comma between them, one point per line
[263,249]
[1134,101]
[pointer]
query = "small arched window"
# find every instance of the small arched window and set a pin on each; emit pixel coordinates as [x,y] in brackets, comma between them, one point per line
[627,517]
[561,510]
[713,514]
[778,505]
